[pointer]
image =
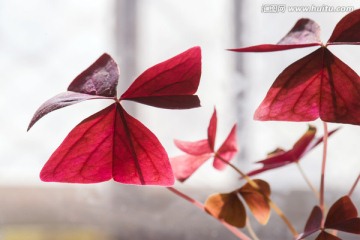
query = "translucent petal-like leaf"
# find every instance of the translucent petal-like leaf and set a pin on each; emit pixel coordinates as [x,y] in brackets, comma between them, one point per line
[100,79]
[212,130]
[178,76]
[110,144]
[194,148]
[313,223]
[343,216]
[171,102]
[305,33]
[59,101]
[318,85]
[227,150]
[347,31]
[327,236]
[184,166]
[256,201]
[227,207]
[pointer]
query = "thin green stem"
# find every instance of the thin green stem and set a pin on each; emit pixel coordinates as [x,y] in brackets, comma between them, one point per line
[251,230]
[307,180]
[199,205]
[354,186]
[322,179]
[267,198]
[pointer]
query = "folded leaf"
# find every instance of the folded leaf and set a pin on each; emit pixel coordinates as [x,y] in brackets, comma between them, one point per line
[110,144]
[212,130]
[178,76]
[100,79]
[194,148]
[305,33]
[227,207]
[59,101]
[227,150]
[347,31]
[184,166]
[318,85]
[256,201]
[343,216]
[313,223]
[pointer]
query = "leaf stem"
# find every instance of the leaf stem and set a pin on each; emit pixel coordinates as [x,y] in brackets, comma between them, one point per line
[354,186]
[322,178]
[307,180]
[257,188]
[251,230]
[199,205]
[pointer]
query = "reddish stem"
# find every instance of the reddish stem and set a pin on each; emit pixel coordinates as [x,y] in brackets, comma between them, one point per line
[199,205]
[322,179]
[354,186]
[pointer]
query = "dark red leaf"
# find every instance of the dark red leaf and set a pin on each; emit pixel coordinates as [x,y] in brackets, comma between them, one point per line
[227,207]
[326,236]
[59,101]
[227,150]
[100,79]
[110,144]
[343,216]
[305,33]
[313,223]
[178,76]
[171,102]
[212,130]
[318,85]
[280,158]
[194,148]
[184,166]
[256,201]
[347,31]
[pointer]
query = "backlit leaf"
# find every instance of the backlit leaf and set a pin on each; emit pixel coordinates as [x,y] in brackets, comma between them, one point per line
[318,85]
[227,150]
[194,148]
[227,207]
[178,76]
[347,31]
[305,33]
[184,166]
[256,201]
[343,216]
[110,144]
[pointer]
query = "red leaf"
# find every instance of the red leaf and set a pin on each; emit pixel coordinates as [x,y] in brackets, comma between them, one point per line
[59,101]
[171,102]
[194,148]
[305,33]
[227,207]
[318,85]
[184,166]
[178,76]
[256,201]
[100,79]
[227,150]
[326,236]
[110,144]
[347,31]
[280,158]
[313,223]
[343,216]
[212,130]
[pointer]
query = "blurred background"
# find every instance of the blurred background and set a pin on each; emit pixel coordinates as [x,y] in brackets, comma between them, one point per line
[44,45]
